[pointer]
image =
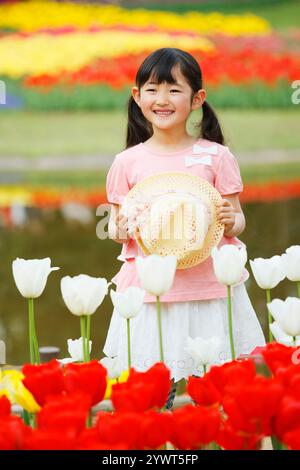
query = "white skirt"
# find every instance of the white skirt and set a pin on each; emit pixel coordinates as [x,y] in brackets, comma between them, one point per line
[204,318]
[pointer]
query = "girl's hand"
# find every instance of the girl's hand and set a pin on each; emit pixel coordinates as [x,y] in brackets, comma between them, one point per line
[226,215]
[122,226]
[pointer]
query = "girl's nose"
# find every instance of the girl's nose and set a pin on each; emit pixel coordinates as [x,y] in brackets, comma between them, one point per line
[162,98]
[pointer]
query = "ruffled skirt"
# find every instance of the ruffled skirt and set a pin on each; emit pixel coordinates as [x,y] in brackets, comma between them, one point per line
[204,318]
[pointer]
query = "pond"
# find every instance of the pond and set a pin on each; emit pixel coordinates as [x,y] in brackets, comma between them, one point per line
[75,248]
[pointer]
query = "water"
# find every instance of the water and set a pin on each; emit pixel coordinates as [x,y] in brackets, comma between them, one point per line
[271,228]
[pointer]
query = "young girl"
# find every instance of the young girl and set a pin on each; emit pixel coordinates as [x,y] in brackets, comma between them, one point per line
[168,88]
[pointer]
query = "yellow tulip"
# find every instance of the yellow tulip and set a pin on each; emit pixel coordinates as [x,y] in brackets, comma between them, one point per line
[12,387]
[35,15]
[46,54]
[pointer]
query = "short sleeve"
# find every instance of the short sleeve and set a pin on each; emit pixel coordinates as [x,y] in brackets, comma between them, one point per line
[117,185]
[228,177]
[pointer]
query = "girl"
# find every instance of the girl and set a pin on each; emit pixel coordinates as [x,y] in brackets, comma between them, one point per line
[168,88]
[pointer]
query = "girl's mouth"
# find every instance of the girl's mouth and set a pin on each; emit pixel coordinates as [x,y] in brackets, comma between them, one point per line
[163,113]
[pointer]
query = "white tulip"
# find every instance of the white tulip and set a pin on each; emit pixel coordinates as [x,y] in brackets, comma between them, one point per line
[291,262]
[229,262]
[128,303]
[31,276]
[287,314]
[282,337]
[75,349]
[112,365]
[156,273]
[268,272]
[83,294]
[203,351]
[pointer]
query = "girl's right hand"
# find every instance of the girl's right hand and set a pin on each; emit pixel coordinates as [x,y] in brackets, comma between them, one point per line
[122,226]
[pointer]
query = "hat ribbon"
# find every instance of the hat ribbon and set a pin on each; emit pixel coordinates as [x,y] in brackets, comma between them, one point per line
[199,149]
[189,160]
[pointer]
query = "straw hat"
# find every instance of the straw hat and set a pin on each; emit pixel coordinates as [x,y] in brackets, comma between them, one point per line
[174,213]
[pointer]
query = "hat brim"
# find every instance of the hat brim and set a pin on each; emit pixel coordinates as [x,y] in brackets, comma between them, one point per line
[184,182]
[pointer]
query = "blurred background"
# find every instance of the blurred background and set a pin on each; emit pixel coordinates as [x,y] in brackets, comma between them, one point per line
[66,69]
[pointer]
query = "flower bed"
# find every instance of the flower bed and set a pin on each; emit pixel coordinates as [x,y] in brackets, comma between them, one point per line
[62,52]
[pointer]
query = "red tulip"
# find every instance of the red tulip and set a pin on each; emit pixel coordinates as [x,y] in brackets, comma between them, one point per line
[230,374]
[231,439]
[43,380]
[65,413]
[143,390]
[88,378]
[13,433]
[113,428]
[5,407]
[288,417]
[278,356]
[155,429]
[292,439]
[203,391]
[251,407]
[51,439]
[194,426]
[89,440]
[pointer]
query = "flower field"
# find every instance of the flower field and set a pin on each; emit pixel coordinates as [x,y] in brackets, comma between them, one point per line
[81,56]
[235,407]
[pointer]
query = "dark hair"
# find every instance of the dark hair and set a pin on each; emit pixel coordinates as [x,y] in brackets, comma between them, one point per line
[159,66]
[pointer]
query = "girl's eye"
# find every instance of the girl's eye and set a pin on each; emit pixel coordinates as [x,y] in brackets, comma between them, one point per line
[178,91]
[150,89]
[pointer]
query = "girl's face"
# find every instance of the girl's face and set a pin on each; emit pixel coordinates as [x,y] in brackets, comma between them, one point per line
[167,105]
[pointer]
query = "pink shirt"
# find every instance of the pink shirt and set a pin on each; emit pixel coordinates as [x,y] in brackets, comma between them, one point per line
[209,160]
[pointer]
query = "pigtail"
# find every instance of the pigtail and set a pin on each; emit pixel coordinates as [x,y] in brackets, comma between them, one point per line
[138,128]
[210,126]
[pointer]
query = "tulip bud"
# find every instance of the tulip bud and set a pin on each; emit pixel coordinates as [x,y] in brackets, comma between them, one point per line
[291,263]
[229,262]
[287,314]
[75,349]
[83,294]
[31,276]
[268,272]
[156,273]
[128,303]
[112,366]
[203,351]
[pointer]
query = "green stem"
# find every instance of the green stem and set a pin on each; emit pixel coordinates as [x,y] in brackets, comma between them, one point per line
[33,420]
[204,368]
[298,288]
[26,417]
[89,420]
[276,443]
[88,335]
[128,343]
[269,315]
[161,348]
[34,337]
[230,322]
[31,345]
[83,334]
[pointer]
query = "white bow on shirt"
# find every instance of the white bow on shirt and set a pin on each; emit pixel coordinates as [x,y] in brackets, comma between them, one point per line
[190,160]
[213,150]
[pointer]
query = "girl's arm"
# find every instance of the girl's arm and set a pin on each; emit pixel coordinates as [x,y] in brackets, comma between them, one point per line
[117,225]
[231,215]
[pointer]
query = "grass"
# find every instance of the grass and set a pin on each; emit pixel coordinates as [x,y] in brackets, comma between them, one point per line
[96,179]
[34,135]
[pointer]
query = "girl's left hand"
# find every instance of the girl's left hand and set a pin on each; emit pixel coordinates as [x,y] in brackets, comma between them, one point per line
[226,215]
